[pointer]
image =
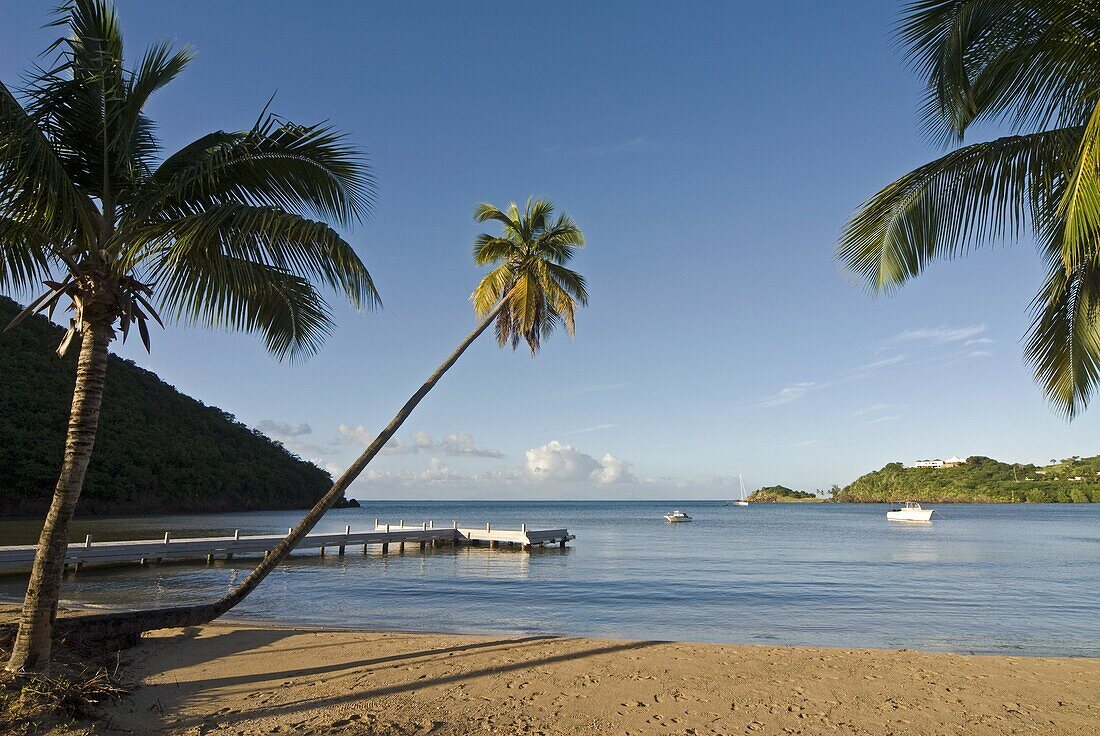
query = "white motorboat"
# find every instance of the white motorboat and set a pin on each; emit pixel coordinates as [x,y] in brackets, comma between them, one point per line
[743,501]
[677,517]
[909,511]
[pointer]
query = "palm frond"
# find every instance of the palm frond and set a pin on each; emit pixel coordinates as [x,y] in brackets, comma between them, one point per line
[1063,344]
[970,197]
[309,170]
[34,182]
[24,255]
[211,289]
[490,249]
[1080,206]
[1027,64]
[491,289]
[262,235]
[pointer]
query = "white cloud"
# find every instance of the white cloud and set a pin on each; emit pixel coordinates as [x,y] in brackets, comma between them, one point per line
[275,429]
[940,334]
[435,473]
[980,341]
[613,470]
[803,443]
[593,428]
[290,437]
[872,409]
[462,445]
[979,354]
[557,462]
[788,394]
[884,362]
[459,444]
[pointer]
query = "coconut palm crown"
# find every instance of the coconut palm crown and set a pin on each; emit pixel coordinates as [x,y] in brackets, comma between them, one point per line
[530,278]
[1031,66]
[230,231]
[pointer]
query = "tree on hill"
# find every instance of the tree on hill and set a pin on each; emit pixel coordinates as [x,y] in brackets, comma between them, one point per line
[980,480]
[220,233]
[771,494]
[154,470]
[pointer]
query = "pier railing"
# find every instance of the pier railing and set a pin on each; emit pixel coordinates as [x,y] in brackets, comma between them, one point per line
[19,557]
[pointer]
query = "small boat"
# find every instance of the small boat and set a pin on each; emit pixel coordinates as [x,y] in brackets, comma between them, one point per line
[743,501]
[909,511]
[677,517]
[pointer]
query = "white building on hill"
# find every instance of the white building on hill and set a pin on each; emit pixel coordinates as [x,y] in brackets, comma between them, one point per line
[952,462]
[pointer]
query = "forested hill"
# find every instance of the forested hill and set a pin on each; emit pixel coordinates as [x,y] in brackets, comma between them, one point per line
[157,450]
[981,480]
[779,494]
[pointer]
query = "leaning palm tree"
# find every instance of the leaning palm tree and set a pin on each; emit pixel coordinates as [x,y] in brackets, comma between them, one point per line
[526,295]
[1031,65]
[217,234]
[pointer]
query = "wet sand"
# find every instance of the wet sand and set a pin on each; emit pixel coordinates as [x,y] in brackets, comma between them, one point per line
[246,679]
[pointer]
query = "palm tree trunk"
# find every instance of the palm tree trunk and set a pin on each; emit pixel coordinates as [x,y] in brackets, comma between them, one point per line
[103,626]
[32,644]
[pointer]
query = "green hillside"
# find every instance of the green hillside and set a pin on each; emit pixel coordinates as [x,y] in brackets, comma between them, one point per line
[981,479]
[779,494]
[157,450]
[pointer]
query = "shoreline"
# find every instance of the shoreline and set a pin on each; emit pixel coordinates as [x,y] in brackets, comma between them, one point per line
[10,608]
[252,678]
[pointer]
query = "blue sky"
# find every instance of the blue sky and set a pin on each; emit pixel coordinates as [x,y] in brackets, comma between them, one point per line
[710,151]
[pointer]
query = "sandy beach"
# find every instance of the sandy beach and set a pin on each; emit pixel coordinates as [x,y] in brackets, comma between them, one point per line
[231,678]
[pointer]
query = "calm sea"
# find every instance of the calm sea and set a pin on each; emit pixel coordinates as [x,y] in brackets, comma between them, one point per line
[1021,579]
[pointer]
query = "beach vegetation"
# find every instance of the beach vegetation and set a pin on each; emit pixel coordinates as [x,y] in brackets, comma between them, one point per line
[232,231]
[980,480]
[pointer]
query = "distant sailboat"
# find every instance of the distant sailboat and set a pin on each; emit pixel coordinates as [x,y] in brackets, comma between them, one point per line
[743,501]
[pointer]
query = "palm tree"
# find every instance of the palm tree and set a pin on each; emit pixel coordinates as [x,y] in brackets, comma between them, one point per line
[1033,66]
[528,293]
[217,234]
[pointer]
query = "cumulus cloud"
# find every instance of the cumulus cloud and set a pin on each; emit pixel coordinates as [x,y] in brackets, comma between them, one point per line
[556,462]
[290,436]
[276,429]
[435,473]
[460,444]
[613,470]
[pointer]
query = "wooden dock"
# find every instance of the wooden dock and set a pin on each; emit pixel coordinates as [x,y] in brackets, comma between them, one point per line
[19,557]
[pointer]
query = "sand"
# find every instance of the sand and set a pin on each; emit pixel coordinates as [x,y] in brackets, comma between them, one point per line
[245,679]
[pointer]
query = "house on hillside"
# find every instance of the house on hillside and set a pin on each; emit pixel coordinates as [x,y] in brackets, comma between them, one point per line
[951,462]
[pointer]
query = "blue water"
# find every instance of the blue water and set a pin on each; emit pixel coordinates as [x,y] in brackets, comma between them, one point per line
[1021,579]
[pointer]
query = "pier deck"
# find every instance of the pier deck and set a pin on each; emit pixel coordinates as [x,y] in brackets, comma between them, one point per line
[19,557]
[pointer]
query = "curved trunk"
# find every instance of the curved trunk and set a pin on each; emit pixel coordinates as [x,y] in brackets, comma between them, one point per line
[111,625]
[31,652]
